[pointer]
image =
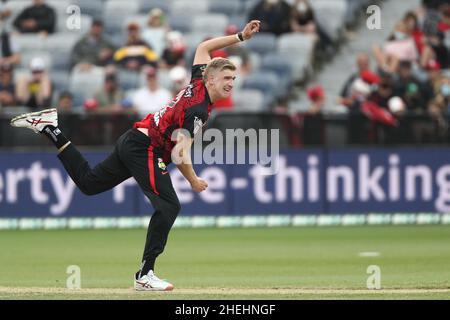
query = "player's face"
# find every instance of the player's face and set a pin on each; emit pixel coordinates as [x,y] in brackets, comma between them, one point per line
[224,82]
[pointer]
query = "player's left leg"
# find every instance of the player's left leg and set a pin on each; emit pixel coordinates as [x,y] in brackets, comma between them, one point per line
[104,176]
[146,166]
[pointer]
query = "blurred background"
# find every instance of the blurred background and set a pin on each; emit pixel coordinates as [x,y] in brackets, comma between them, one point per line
[317,71]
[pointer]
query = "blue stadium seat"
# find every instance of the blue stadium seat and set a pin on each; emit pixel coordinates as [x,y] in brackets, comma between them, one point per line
[331,15]
[29,42]
[116,11]
[262,43]
[60,80]
[128,80]
[146,5]
[180,22]
[239,20]
[189,7]
[89,7]
[266,82]
[249,100]
[276,63]
[86,83]
[140,19]
[229,7]
[300,46]
[27,56]
[212,22]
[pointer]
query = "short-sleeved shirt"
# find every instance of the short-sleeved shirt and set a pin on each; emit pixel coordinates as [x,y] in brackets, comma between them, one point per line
[189,110]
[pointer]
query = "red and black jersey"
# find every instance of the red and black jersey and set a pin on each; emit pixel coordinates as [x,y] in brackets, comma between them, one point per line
[189,110]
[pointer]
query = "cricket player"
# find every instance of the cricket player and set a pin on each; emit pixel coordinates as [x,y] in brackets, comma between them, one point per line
[144,151]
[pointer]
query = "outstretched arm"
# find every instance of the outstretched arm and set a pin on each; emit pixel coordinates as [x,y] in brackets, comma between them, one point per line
[202,55]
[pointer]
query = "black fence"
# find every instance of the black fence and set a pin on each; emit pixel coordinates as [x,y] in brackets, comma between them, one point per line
[299,130]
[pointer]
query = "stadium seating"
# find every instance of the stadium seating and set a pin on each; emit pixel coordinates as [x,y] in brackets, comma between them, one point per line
[189,8]
[115,12]
[91,8]
[29,55]
[276,61]
[60,81]
[180,22]
[262,43]
[266,82]
[128,80]
[213,22]
[140,19]
[228,8]
[331,15]
[86,83]
[146,5]
[249,100]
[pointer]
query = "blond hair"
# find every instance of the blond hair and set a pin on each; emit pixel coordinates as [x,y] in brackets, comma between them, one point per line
[218,64]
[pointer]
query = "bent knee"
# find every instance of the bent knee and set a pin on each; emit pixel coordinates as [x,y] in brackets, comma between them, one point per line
[88,191]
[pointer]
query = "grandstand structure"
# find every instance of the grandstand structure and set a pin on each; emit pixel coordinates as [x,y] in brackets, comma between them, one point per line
[282,66]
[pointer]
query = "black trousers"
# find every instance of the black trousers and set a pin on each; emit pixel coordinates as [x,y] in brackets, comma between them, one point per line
[133,156]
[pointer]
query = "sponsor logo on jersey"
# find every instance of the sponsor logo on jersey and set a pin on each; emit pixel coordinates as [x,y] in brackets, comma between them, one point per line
[198,123]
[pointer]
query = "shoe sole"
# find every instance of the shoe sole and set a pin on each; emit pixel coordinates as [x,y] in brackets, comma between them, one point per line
[31,114]
[169,288]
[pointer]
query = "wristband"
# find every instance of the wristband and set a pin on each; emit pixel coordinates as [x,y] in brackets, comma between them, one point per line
[239,36]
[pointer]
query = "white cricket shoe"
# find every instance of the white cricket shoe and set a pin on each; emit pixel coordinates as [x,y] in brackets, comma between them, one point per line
[36,121]
[150,282]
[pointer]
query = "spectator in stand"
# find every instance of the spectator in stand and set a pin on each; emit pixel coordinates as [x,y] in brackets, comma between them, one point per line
[35,91]
[174,52]
[38,18]
[440,106]
[312,119]
[273,16]
[7,86]
[412,26]
[362,64]
[135,53]
[154,34]
[434,76]
[405,43]
[444,23]
[437,50]
[431,16]
[65,102]
[93,49]
[441,102]
[238,52]
[10,53]
[316,96]
[384,92]
[9,50]
[152,97]
[303,20]
[110,97]
[410,89]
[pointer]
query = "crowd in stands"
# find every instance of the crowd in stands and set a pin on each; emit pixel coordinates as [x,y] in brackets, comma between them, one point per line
[411,77]
[138,62]
[134,56]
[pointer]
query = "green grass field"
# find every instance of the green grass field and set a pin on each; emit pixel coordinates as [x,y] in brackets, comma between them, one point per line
[254,263]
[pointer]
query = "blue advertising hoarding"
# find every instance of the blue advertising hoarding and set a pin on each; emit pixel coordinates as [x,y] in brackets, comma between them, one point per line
[307,182]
